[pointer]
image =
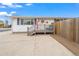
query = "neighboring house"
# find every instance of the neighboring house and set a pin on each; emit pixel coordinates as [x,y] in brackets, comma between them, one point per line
[1,24]
[22,23]
[6,24]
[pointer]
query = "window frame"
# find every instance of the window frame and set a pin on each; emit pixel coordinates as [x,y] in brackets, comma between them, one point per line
[18,21]
[23,21]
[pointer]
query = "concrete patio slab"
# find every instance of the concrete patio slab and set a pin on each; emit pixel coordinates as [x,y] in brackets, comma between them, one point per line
[37,45]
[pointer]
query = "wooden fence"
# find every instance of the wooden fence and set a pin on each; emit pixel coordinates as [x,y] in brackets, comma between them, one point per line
[68,29]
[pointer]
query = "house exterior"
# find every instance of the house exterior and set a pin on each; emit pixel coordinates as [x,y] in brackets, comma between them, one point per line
[21,23]
[25,23]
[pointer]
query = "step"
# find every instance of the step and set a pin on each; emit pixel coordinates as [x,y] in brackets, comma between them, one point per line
[31,33]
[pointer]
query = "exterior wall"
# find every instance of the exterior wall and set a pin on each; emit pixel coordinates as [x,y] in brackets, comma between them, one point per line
[41,26]
[19,28]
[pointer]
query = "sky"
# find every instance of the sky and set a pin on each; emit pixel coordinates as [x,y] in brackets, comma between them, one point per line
[39,9]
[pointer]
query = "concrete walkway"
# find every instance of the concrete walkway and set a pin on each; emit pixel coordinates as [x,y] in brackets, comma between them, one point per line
[4,29]
[39,45]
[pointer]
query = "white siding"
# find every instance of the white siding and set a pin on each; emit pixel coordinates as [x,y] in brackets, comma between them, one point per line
[19,28]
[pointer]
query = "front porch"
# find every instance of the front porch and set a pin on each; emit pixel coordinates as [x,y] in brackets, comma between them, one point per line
[41,29]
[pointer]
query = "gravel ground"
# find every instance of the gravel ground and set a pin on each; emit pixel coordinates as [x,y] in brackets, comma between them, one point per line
[38,45]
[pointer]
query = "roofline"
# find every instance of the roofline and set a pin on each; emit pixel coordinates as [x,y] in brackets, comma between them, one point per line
[45,17]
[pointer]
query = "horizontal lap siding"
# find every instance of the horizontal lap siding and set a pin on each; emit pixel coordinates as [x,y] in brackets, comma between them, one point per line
[19,28]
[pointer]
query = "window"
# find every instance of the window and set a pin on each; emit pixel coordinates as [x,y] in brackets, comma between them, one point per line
[32,21]
[17,21]
[24,21]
